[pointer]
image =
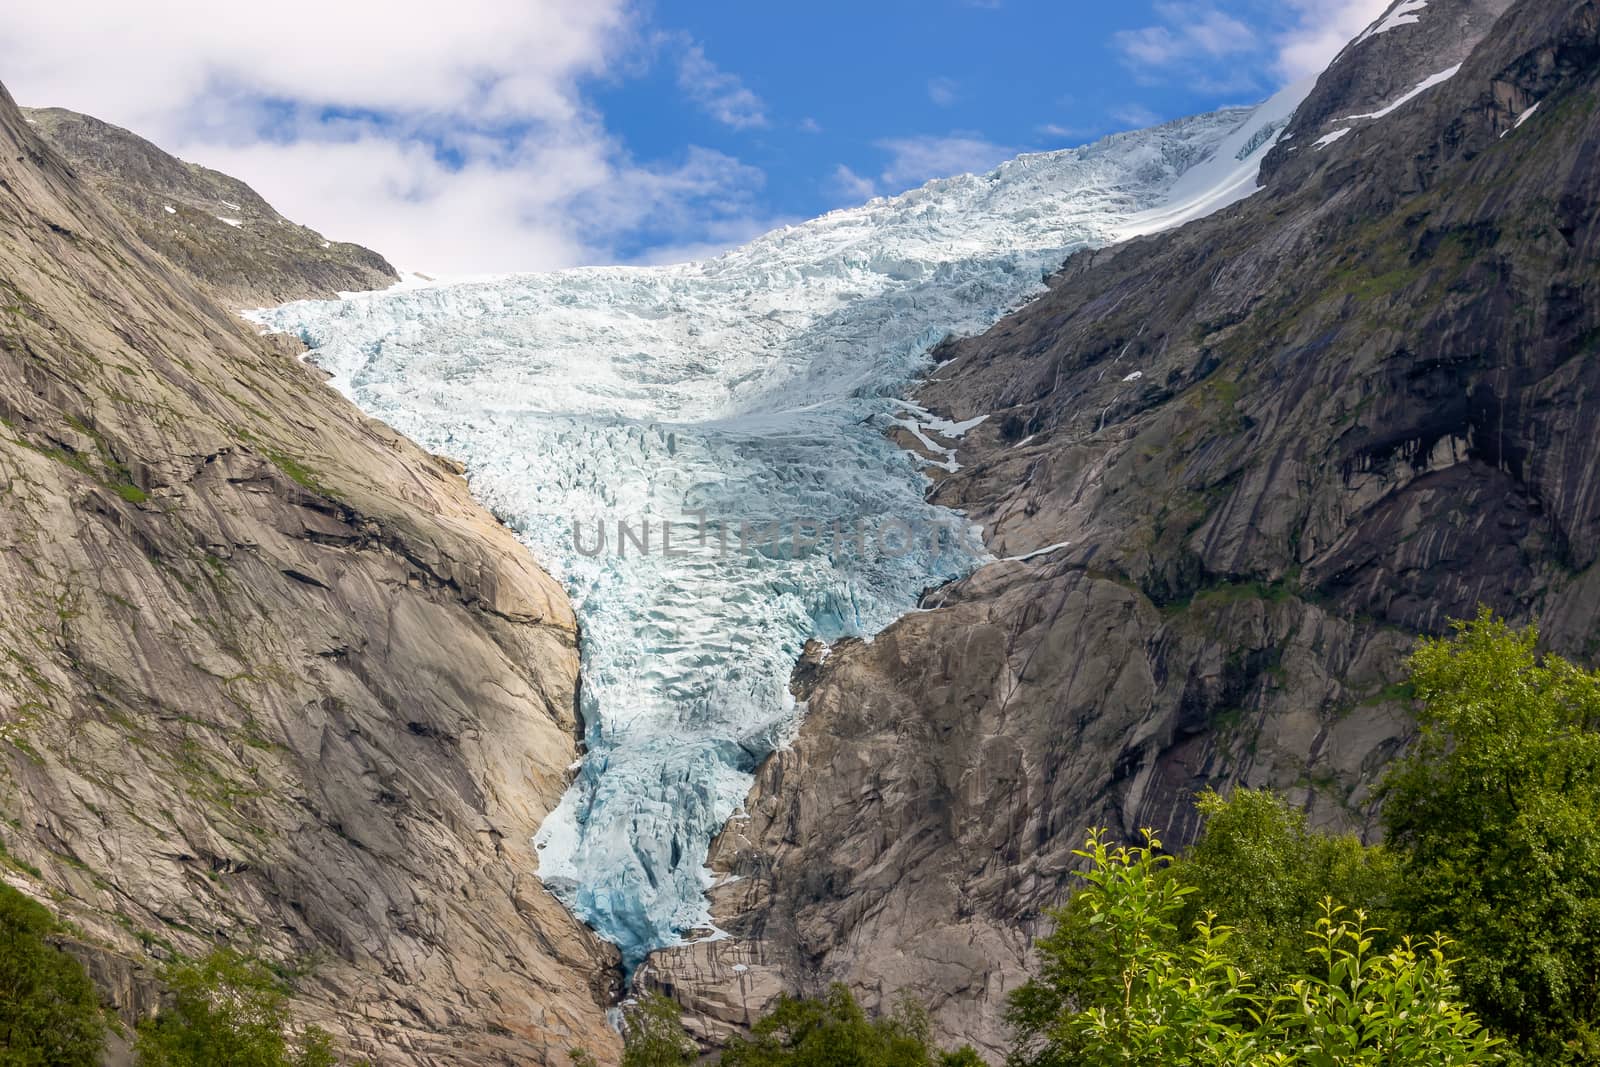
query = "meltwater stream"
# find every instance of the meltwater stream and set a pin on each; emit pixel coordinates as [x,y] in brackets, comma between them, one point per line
[752,389]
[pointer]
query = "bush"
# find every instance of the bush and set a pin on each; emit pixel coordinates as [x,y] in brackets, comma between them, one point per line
[1260,870]
[49,1012]
[655,1035]
[1155,998]
[835,1032]
[228,1010]
[1495,815]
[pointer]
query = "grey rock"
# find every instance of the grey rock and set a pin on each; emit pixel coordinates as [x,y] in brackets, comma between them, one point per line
[268,676]
[258,259]
[1365,408]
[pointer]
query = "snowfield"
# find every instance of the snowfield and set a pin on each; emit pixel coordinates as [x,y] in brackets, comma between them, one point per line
[751,389]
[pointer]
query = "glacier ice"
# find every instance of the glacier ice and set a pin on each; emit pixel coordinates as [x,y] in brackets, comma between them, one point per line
[748,389]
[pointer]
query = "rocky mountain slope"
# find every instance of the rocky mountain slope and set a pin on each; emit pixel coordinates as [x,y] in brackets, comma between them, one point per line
[1231,473]
[213,227]
[268,675]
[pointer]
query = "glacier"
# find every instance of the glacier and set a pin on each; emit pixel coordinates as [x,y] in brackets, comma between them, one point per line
[706,402]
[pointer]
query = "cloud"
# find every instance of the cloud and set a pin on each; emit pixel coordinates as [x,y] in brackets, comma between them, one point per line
[721,95]
[942,91]
[1322,31]
[810,125]
[1186,32]
[1134,117]
[849,187]
[1242,46]
[914,160]
[451,144]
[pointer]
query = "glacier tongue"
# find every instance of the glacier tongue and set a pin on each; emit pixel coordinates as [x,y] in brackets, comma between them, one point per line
[750,389]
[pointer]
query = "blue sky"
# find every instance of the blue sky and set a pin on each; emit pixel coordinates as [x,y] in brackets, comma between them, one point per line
[484,136]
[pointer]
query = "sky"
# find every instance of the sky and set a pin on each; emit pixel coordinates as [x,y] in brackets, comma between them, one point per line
[495,135]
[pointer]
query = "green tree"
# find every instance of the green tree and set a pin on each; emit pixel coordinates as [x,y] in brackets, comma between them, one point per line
[1362,1007]
[655,1035]
[1157,1000]
[1121,984]
[1262,871]
[1495,814]
[228,1011]
[49,1013]
[835,1032]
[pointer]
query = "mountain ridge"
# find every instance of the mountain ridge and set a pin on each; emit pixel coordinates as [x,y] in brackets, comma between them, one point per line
[1232,471]
[212,226]
[271,678]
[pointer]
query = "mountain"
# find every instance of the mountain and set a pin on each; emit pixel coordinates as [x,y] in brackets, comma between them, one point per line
[1241,406]
[214,228]
[268,675]
[755,390]
[1232,471]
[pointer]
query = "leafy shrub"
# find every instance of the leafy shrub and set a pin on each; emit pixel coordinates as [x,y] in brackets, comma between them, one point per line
[1495,815]
[1258,868]
[49,1012]
[1155,999]
[228,1010]
[834,1032]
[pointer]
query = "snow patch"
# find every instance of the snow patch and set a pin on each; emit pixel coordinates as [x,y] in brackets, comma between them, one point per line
[1230,173]
[1524,117]
[235,223]
[1036,553]
[1403,15]
[1427,83]
[1328,139]
[169,209]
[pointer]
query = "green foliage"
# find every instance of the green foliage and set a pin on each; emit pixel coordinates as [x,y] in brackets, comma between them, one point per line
[835,1032]
[49,1013]
[1496,817]
[655,1035]
[1259,869]
[1157,1000]
[1149,996]
[830,1032]
[228,1010]
[1360,1007]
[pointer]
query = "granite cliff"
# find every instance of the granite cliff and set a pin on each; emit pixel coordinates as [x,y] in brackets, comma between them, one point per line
[268,676]
[1231,472]
[213,227]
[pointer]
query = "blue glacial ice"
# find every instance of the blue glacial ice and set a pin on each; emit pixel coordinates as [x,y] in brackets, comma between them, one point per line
[752,388]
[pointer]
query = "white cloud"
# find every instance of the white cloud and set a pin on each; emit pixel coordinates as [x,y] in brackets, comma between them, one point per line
[721,95]
[942,91]
[810,125]
[914,160]
[849,187]
[1323,29]
[1187,32]
[464,143]
[1134,117]
[1242,46]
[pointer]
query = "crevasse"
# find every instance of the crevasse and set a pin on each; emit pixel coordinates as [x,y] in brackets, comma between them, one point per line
[749,389]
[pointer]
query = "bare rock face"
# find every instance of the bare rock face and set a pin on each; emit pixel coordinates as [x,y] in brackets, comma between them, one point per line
[214,228]
[1363,408]
[268,676]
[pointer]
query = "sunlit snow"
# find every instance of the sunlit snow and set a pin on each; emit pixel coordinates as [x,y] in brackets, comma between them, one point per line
[750,389]
[1404,14]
